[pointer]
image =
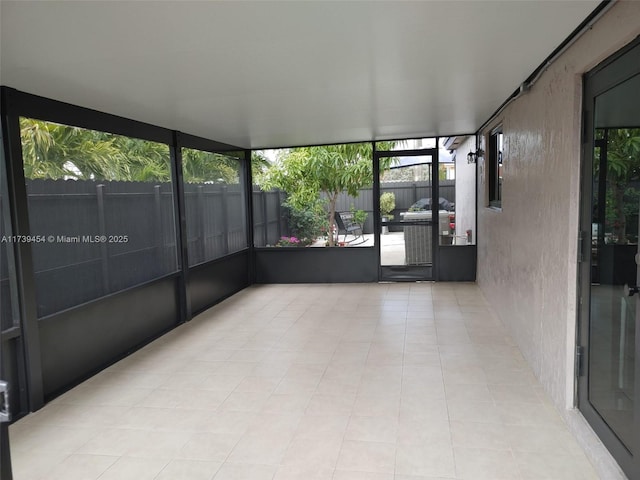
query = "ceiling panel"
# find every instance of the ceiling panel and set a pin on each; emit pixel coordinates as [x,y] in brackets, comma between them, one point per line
[270,74]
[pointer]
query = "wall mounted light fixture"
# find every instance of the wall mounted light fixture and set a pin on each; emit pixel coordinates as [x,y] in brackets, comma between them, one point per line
[472,157]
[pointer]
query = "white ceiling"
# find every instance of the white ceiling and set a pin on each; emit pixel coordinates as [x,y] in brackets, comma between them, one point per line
[272,74]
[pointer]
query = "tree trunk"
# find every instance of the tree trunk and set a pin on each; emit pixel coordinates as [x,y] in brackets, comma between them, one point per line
[332,215]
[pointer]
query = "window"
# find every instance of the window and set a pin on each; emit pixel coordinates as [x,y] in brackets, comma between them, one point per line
[495,167]
[101,212]
[214,204]
[299,192]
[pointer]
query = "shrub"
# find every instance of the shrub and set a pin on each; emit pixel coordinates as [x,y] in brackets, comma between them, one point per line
[387,204]
[359,216]
[306,224]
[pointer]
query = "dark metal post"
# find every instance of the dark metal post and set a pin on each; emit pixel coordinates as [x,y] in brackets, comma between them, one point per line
[181,226]
[5,454]
[24,256]
[247,177]
[19,400]
[435,211]
[377,224]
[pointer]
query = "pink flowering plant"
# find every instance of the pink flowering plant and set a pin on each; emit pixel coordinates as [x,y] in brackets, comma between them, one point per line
[289,242]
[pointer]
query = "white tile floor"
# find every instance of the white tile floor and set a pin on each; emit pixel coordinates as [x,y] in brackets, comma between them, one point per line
[341,382]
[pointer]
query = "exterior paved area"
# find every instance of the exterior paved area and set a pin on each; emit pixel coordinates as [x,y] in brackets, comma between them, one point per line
[328,382]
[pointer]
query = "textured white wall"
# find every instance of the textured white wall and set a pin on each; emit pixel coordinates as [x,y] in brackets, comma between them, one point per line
[466,190]
[527,251]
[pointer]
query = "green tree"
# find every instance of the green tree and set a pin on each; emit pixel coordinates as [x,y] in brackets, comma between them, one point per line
[259,164]
[623,167]
[54,151]
[143,161]
[305,173]
[200,167]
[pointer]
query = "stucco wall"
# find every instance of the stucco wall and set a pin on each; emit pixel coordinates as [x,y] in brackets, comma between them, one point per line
[527,251]
[466,189]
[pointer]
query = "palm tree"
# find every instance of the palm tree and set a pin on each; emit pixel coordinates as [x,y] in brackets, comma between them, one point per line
[57,151]
[53,151]
[202,167]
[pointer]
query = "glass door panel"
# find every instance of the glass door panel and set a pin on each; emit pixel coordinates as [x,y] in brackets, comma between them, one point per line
[615,209]
[406,240]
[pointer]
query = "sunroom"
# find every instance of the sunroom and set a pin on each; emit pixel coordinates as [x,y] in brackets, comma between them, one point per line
[320,240]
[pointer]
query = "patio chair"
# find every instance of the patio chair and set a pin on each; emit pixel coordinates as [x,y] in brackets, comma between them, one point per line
[346,225]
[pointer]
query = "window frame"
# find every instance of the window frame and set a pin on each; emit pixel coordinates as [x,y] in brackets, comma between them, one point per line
[118,240]
[215,148]
[495,162]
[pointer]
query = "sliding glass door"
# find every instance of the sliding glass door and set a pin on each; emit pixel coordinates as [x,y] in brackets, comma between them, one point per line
[609,387]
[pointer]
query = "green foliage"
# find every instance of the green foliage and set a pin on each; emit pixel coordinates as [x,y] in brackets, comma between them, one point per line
[387,204]
[306,173]
[359,216]
[623,167]
[308,223]
[53,151]
[623,152]
[259,164]
[200,167]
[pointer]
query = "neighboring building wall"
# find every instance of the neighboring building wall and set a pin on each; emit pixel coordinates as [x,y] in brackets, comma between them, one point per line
[466,189]
[527,252]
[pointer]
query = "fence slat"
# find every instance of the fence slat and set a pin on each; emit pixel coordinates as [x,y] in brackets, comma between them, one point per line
[104,252]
